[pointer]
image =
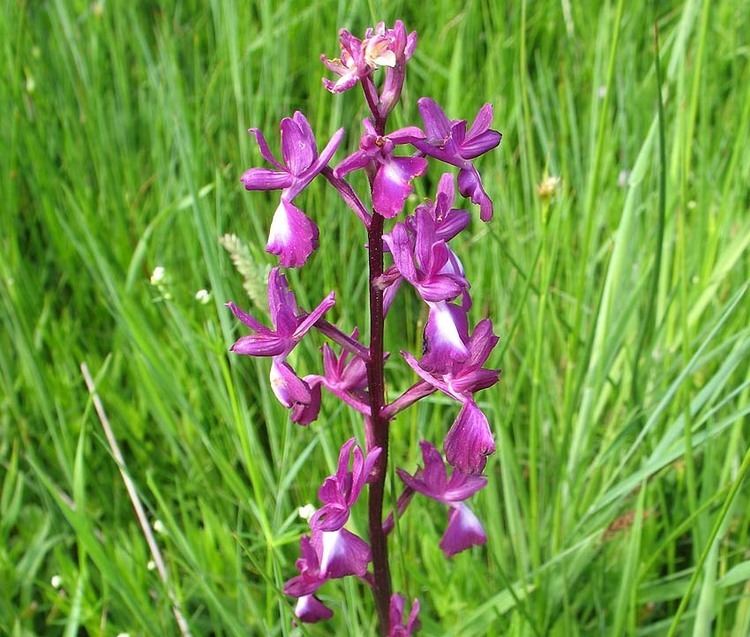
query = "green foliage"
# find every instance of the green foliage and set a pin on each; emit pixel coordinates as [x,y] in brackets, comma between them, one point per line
[615,504]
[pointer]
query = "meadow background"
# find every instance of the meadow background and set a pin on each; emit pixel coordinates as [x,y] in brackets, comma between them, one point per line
[616,503]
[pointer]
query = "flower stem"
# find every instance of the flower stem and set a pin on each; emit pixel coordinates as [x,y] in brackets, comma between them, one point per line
[377,427]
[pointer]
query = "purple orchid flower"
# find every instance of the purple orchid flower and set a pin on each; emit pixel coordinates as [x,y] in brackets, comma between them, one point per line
[289,325]
[391,175]
[293,236]
[450,142]
[469,440]
[400,48]
[352,66]
[325,556]
[399,627]
[449,221]
[340,491]
[345,373]
[464,529]
[425,260]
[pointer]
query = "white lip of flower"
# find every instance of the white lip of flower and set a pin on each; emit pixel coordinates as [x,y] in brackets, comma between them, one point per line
[56,581]
[159,526]
[378,53]
[203,296]
[158,275]
[306,512]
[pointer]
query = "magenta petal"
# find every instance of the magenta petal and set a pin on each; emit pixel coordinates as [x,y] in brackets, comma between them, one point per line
[287,386]
[427,376]
[439,288]
[260,345]
[470,185]
[396,616]
[481,122]
[247,319]
[455,221]
[433,473]
[265,179]
[406,135]
[265,151]
[310,609]
[469,440]
[445,336]
[330,517]
[296,149]
[292,237]
[401,248]
[464,531]
[309,321]
[341,553]
[356,161]
[392,183]
[304,127]
[475,146]
[390,294]
[282,305]
[305,413]
[436,124]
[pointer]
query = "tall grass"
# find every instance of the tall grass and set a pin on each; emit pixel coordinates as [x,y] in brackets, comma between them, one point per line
[616,503]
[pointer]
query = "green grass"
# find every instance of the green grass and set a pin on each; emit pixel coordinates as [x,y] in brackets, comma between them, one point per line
[616,503]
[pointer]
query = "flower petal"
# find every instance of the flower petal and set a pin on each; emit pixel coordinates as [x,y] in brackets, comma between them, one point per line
[292,237]
[436,124]
[464,531]
[296,149]
[287,386]
[392,183]
[265,151]
[305,413]
[445,336]
[475,146]
[282,304]
[309,321]
[470,185]
[247,319]
[265,179]
[260,345]
[341,553]
[469,440]
[310,609]
[400,245]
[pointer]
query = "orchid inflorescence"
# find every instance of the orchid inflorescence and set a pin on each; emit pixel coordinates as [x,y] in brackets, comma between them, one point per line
[453,357]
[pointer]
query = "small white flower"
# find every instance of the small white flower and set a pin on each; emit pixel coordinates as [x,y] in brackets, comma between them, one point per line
[159,527]
[623,178]
[56,581]
[306,512]
[203,296]
[602,92]
[151,565]
[158,275]
[123,634]
[30,84]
